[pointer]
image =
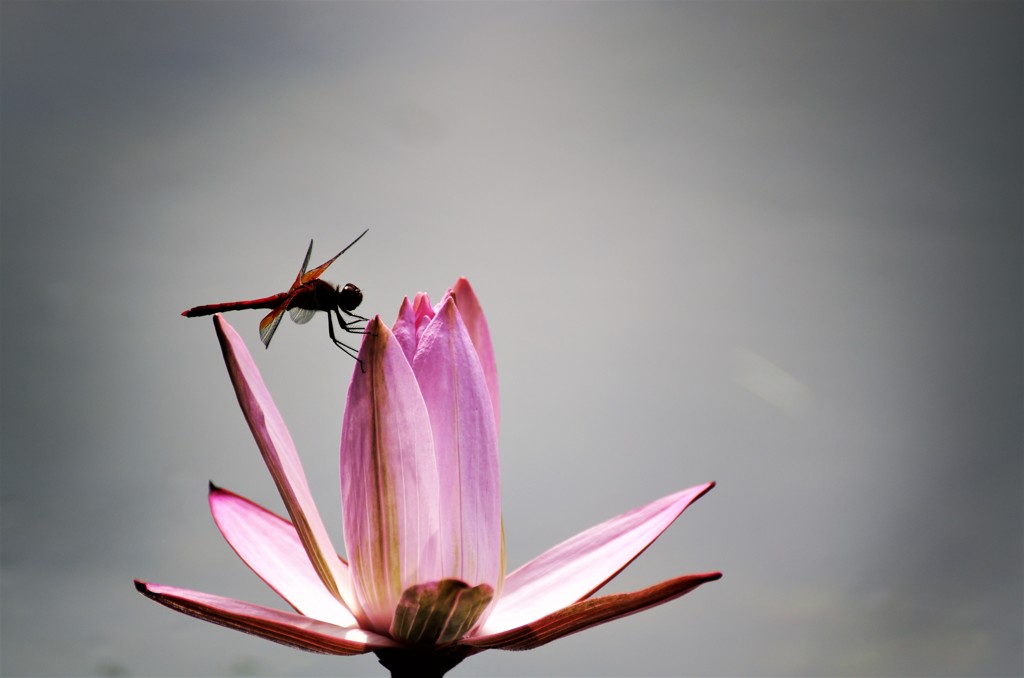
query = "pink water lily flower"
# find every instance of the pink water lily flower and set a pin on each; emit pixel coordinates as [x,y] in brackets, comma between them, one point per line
[425,584]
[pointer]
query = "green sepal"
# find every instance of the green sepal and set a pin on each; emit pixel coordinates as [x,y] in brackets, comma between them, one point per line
[439,613]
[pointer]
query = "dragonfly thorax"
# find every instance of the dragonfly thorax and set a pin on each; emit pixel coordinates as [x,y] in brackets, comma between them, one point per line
[320,295]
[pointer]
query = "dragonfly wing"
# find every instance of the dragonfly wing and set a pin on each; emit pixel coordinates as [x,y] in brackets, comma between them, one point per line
[301,315]
[301,277]
[318,271]
[269,323]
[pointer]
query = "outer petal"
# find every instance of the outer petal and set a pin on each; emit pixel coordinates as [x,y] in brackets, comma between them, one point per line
[272,548]
[591,612]
[281,627]
[279,453]
[389,483]
[577,567]
[466,446]
[473,315]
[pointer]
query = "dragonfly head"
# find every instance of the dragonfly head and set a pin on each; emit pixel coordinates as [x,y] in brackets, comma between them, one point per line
[349,297]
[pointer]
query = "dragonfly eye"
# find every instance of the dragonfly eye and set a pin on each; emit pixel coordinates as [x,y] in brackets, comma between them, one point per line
[351,297]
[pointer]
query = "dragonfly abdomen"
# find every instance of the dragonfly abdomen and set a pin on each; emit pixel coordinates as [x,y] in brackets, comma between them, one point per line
[272,301]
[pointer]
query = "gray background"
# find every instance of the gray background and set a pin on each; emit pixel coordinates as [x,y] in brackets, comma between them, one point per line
[776,245]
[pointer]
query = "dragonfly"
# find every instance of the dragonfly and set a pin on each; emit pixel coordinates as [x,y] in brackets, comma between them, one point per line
[307,295]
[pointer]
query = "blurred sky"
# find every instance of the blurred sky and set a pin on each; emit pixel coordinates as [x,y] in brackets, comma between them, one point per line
[777,245]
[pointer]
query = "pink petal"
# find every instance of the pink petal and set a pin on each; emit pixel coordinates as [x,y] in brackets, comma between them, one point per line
[466,447]
[272,548]
[421,306]
[473,315]
[286,628]
[282,459]
[404,329]
[424,313]
[591,612]
[577,567]
[389,484]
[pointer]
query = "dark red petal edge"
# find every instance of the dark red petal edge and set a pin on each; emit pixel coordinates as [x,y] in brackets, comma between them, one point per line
[303,639]
[590,612]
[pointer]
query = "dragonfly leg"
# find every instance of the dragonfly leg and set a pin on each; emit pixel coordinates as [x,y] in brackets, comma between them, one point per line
[342,345]
[359,318]
[350,326]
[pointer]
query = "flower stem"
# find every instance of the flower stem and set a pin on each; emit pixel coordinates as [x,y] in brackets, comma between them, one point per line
[428,663]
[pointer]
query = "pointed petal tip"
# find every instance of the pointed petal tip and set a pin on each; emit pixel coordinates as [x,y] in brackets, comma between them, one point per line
[463,288]
[377,335]
[446,304]
[217,492]
[404,308]
[226,334]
